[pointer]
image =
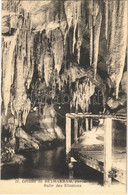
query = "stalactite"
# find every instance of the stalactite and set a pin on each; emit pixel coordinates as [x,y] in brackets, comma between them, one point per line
[41,43]
[20,94]
[72,74]
[74,37]
[28,53]
[40,65]
[25,110]
[117,41]
[73,19]
[30,75]
[79,42]
[90,12]
[48,66]
[18,69]
[57,31]
[62,18]
[57,48]
[106,19]
[82,95]
[68,6]
[75,22]
[97,18]
[8,71]
[80,30]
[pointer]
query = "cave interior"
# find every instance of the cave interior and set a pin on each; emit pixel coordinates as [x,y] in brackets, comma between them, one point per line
[60,57]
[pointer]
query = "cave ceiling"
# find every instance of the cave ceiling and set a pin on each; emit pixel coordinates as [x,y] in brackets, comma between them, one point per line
[57,43]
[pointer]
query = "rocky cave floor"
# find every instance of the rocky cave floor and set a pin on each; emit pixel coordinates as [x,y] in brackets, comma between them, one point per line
[36,135]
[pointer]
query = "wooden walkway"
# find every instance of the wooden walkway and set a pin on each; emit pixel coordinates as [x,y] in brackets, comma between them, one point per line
[100,156]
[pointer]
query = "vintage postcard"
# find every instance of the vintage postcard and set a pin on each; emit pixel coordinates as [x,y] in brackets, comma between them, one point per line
[63,97]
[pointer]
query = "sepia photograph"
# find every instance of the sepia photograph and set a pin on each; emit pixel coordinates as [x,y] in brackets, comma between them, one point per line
[63,97]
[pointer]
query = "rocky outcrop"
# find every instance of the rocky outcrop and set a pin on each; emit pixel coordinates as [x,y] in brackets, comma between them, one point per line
[26,141]
[8,156]
[49,135]
[45,135]
[48,129]
[16,159]
[41,127]
[113,103]
[120,104]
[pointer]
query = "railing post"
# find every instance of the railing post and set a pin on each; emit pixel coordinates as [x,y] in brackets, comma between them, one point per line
[71,170]
[87,124]
[68,147]
[107,151]
[80,128]
[91,123]
[68,135]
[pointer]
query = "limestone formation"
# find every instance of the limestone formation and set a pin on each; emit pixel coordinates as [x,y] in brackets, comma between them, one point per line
[54,46]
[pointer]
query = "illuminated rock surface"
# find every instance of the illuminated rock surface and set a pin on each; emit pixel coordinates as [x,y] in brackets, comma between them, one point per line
[54,46]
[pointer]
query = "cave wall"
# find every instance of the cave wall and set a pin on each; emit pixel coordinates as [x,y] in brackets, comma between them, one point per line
[50,46]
